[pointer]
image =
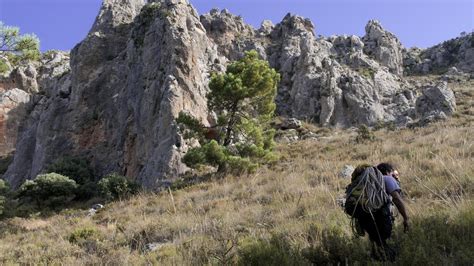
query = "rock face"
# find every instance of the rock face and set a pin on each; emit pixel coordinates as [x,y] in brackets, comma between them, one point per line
[18,89]
[436,101]
[129,79]
[143,63]
[229,32]
[458,53]
[12,112]
[384,47]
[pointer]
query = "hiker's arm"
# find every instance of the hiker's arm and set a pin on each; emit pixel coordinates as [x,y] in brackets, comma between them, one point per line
[397,199]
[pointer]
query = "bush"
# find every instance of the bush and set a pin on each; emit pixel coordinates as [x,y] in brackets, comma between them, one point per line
[82,234]
[73,167]
[3,193]
[79,170]
[87,238]
[5,161]
[367,72]
[3,66]
[364,134]
[115,186]
[48,190]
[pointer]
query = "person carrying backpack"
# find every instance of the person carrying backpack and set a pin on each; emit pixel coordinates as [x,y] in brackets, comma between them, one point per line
[392,186]
[368,201]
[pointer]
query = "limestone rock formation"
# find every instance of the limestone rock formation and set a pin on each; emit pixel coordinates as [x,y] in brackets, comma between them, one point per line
[145,61]
[436,101]
[333,81]
[230,33]
[18,87]
[384,47]
[457,52]
[129,79]
[12,112]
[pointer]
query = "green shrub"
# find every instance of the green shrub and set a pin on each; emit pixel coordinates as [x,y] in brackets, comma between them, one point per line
[73,167]
[364,134]
[48,190]
[86,191]
[115,186]
[87,238]
[79,170]
[3,66]
[25,46]
[276,251]
[3,194]
[367,72]
[4,163]
[82,234]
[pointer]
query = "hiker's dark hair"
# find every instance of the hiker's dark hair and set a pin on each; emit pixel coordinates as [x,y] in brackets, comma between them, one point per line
[385,168]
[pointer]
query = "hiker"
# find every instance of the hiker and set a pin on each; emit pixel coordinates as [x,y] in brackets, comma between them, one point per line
[368,201]
[392,187]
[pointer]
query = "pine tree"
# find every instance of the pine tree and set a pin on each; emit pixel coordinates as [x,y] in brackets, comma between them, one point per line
[24,46]
[243,99]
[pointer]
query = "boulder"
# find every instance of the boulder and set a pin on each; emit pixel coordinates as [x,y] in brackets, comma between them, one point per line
[291,123]
[346,171]
[436,102]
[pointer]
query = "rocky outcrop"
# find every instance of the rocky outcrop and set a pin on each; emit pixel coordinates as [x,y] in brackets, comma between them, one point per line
[230,33]
[143,63]
[458,53]
[334,81]
[13,107]
[437,101]
[18,85]
[384,47]
[138,68]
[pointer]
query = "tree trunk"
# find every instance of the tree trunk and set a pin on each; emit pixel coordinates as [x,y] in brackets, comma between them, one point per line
[230,124]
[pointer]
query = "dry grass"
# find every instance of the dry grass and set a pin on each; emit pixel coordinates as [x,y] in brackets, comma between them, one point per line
[208,223]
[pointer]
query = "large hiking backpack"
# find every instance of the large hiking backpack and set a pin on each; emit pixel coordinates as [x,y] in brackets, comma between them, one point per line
[366,192]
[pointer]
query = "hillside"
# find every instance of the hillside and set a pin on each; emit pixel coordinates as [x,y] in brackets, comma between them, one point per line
[115,97]
[286,214]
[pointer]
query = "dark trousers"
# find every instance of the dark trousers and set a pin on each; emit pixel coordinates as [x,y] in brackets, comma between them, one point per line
[377,225]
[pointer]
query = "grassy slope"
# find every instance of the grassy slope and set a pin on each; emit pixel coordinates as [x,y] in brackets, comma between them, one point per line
[294,203]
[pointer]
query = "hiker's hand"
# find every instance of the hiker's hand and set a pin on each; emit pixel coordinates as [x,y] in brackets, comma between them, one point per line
[406,226]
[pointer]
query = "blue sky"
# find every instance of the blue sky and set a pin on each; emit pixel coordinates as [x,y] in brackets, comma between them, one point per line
[60,24]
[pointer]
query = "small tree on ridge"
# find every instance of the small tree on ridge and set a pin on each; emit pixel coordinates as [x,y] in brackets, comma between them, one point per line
[26,46]
[244,100]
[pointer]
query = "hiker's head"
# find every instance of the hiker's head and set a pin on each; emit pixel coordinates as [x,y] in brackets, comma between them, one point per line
[359,170]
[386,168]
[396,174]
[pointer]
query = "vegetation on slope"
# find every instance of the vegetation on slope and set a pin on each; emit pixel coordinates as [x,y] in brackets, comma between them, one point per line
[244,101]
[16,46]
[284,214]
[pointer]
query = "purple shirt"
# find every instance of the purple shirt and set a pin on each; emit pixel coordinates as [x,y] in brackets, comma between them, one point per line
[391,184]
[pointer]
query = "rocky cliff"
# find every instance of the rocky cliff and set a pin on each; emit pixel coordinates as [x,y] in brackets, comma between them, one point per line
[456,53]
[138,67]
[143,63]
